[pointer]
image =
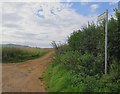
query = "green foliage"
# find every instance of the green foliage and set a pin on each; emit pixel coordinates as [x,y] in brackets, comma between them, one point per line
[81,67]
[60,79]
[19,54]
[114,39]
[56,77]
[89,39]
[60,48]
[84,63]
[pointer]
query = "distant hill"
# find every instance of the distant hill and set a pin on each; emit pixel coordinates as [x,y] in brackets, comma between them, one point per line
[13,45]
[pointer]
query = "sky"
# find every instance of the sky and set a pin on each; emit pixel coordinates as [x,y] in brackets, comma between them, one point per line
[37,24]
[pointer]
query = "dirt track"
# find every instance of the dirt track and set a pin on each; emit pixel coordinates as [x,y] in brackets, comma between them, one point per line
[24,77]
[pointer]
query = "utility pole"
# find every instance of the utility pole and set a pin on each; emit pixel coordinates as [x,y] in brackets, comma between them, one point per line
[106,41]
[101,18]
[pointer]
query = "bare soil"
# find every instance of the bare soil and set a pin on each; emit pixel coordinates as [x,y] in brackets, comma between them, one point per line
[26,76]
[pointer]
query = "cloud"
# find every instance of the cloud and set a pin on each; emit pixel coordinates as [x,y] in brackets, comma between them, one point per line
[59,0]
[11,17]
[94,7]
[84,0]
[37,24]
[11,25]
[112,3]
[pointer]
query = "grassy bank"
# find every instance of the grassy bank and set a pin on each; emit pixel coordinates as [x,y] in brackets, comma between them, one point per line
[60,78]
[20,54]
[78,66]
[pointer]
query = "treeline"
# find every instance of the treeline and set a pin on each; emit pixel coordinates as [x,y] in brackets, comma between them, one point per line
[79,65]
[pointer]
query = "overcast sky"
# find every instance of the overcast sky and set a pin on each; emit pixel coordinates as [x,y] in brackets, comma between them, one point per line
[37,24]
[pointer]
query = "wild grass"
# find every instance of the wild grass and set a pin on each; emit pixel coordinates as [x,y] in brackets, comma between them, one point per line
[78,66]
[60,79]
[20,54]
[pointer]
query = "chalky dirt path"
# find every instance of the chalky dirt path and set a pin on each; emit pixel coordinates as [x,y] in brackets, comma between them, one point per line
[25,76]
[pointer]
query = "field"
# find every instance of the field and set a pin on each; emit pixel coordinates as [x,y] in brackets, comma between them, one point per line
[20,54]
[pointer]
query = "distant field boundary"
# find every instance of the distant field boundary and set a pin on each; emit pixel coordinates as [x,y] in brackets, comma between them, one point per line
[14,54]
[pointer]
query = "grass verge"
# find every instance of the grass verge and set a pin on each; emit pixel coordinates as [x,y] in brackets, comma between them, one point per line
[60,79]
